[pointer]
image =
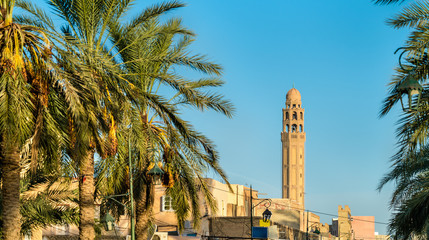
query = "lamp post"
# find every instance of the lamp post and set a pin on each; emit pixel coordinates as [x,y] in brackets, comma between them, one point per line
[133,229]
[307,224]
[266,215]
[317,231]
[155,173]
[106,218]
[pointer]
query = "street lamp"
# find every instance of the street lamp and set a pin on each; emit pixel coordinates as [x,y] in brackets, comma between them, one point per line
[409,85]
[266,215]
[131,191]
[108,221]
[156,173]
[316,231]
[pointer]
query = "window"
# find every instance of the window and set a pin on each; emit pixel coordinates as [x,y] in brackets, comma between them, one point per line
[294,116]
[301,115]
[167,203]
[287,116]
[294,128]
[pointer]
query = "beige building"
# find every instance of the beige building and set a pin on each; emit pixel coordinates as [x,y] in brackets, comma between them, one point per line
[228,204]
[293,139]
[342,226]
[344,223]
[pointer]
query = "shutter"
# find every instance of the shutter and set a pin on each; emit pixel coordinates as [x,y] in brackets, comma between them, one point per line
[163,203]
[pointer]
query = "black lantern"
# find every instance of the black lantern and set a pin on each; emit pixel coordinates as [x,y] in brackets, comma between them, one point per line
[156,173]
[316,231]
[411,87]
[108,222]
[266,215]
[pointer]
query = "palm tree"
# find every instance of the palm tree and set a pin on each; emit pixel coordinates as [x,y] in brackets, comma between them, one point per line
[186,154]
[27,79]
[99,77]
[83,59]
[409,170]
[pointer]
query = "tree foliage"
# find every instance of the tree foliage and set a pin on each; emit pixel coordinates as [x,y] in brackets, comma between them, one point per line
[160,134]
[409,169]
[91,83]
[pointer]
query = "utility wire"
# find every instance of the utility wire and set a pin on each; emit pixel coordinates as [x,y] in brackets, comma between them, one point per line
[308,210]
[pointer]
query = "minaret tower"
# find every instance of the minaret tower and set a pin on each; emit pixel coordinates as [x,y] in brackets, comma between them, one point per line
[293,139]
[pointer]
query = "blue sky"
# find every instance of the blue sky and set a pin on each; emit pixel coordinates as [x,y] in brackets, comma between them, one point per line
[339,55]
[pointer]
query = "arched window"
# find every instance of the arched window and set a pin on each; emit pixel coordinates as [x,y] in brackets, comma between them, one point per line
[301,115]
[287,128]
[294,106]
[294,128]
[295,116]
[287,115]
[300,128]
[288,106]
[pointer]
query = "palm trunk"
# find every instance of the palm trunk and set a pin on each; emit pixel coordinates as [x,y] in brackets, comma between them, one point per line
[10,192]
[144,204]
[86,197]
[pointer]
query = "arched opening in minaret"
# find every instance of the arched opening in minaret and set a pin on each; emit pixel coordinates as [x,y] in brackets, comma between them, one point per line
[300,115]
[287,115]
[294,128]
[294,106]
[300,128]
[295,116]
[287,128]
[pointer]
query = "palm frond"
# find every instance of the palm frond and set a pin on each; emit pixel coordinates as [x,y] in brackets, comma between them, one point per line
[414,15]
[386,2]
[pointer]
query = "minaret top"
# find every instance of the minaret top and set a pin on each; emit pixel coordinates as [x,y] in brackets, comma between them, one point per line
[293,95]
